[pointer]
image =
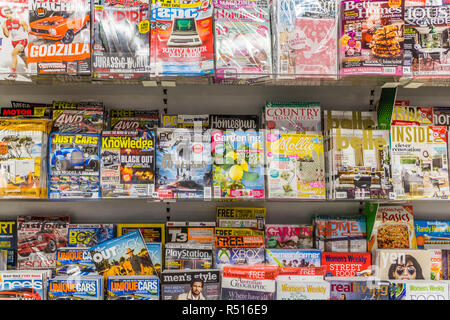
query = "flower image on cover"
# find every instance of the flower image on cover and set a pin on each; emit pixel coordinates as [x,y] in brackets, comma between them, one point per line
[190,284]
[240,256]
[419,162]
[293,258]
[74,262]
[8,242]
[183,35]
[403,264]
[78,288]
[121,40]
[74,165]
[88,235]
[128,164]
[295,165]
[14,40]
[418,290]
[305,38]
[289,236]
[293,116]
[358,288]
[292,288]
[82,117]
[38,238]
[183,163]
[371,39]
[60,37]
[238,164]
[23,158]
[432,234]
[132,288]
[23,285]
[243,48]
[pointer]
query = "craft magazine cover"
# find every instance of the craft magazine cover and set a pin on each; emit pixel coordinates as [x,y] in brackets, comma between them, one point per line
[190,284]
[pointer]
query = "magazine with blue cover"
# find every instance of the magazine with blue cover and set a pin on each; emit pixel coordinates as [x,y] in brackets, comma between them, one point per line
[432,234]
[133,288]
[74,262]
[88,235]
[75,288]
[293,257]
[23,285]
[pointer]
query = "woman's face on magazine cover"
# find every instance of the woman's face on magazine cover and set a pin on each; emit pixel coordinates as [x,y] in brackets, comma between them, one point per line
[405,272]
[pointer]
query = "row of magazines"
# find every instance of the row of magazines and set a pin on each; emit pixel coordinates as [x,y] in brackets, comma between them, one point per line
[295,150]
[119,39]
[381,255]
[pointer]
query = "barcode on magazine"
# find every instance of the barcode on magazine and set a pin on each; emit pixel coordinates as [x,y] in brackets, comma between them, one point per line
[207,193]
[229,74]
[217,193]
[341,195]
[406,70]
[392,195]
[388,70]
[284,66]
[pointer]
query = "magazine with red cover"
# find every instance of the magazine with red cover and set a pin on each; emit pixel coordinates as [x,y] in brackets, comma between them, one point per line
[346,264]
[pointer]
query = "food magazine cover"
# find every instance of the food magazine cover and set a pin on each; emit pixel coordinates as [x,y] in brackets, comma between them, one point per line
[77,117]
[60,37]
[289,236]
[190,284]
[240,256]
[292,288]
[79,288]
[436,266]
[74,261]
[180,256]
[8,241]
[293,116]
[23,285]
[88,235]
[432,234]
[403,264]
[38,238]
[371,37]
[132,288]
[340,264]
[418,290]
[128,164]
[358,288]
[240,217]
[74,166]
[190,232]
[293,258]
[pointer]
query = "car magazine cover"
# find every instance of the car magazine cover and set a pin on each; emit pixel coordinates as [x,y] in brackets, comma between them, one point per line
[295,165]
[183,164]
[360,120]
[190,232]
[14,40]
[418,290]
[358,288]
[343,264]
[292,288]
[411,115]
[180,256]
[23,158]
[88,235]
[359,164]
[133,120]
[419,162]
[293,116]
[238,164]
[74,262]
[240,256]
[293,257]
[403,264]
[432,234]
[121,40]
[240,217]
[190,284]
[60,37]
[38,238]
[289,236]
[128,164]
[74,166]
[184,38]
[27,110]
[389,226]
[340,234]
[239,237]
[371,37]
[248,282]
[23,285]
[124,255]
[305,38]
[75,288]
[8,241]
[242,37]
[77,117]
[234,122]
[426,39]
[132,288]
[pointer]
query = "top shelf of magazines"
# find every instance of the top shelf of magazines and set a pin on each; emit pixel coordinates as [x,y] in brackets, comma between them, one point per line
[170,42]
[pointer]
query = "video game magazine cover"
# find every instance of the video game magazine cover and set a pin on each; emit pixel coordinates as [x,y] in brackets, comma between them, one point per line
[239,237]
[74,261]
[60,37]
[75,288]
[296,288]
[183,164]
[346,264]
[190,284]
[23,285]
[74,165]
[121,40]
[8,241]
[128,164]
[88,235]
[190,232]
[138,287]
[180,256]
[289,236]
[38,238]
[358,288]
[240,256]
[85,117]
[418,290]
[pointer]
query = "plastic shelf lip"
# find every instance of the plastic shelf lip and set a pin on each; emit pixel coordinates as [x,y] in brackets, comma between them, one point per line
[413,85]
[150,83]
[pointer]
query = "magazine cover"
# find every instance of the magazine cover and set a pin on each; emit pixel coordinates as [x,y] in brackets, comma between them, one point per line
[88,235]
[75,288]
[27,110]
[441,116]
[304,273]
[418,290]
[180,256]
[240,217]
[410,115]
[124,255]
[190,285]
[445,265]
[371,37]
[419,162]
[248,282]
[3,260]
[432,234]
[8,241]
[38,238]
[23,285]
[291,288]
[293,258]
[403,264]
[340,264]
[359,120]
[132,288]
[77,117]
[128,164]
[305,38]
[14,40]
[359,164]
[60,37]
[340,234]
[74,262]
[289,236]
[242,37]
[74,165]
[240,256]
[293,116]
[295,165]
[133,120]
[23,158]
[121,44]
[190,232]
[183,38]
[183,164]
[358,288]
[239,237]
[234,122]
[436,267]
[238,164]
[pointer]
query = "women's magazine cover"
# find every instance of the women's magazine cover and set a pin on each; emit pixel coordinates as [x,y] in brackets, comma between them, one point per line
[371,38]
[243,48]
[290,287]
[305,38]
[121,39]
[418,290]
[358,288]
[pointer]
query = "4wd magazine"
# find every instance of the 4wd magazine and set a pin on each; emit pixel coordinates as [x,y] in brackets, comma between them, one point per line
[60,37]
[85,117]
